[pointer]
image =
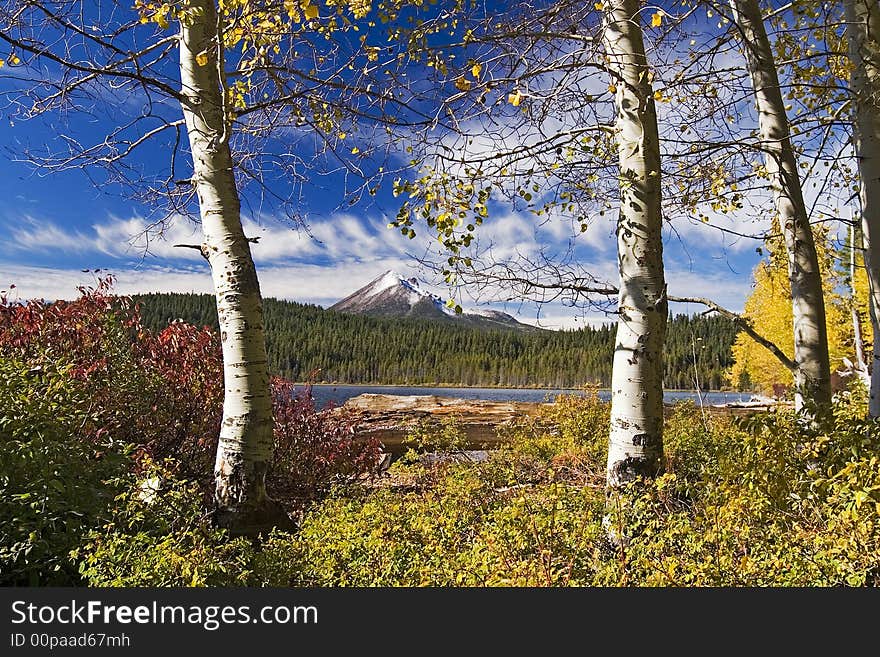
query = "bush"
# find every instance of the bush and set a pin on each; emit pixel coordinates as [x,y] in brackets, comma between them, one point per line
[54,478]
[164,391]
[525,517]
[768,500]
[462,532]
[161,392]
[178,414]
[83,378]
[161,535]
[314,450]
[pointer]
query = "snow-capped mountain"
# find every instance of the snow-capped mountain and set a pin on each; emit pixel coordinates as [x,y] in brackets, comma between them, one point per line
[393,295]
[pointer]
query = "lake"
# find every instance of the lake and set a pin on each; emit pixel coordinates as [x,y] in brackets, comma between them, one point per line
[337,395]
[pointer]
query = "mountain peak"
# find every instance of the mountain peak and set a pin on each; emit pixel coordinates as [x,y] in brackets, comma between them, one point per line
[391,280]
[395,295]
[392,295]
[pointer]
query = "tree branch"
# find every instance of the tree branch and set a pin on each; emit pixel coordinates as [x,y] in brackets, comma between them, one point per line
[108,71]
[744,324]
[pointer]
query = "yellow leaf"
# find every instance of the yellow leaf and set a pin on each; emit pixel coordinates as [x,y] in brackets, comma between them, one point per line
[162,21]
[475,70]
[311,11]
[355,150]
[14,60]
[600,6]
[514,98]
[612,88]
[342,135]
[658,95]
[2,63]
[462,84]
[656,19]
[202,58]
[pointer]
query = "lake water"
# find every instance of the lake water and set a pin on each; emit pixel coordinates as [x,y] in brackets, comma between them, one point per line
[337,395]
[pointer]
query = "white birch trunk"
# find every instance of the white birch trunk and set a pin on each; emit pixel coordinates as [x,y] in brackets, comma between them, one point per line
[863,31]
[636,442]
[246,440]
[813,371]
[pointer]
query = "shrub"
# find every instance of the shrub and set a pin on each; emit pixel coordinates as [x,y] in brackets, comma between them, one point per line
[161,392]
[768,500]
[54,478]
[462,532]
[161,535]
[179,413]
[314,450]
[82,378]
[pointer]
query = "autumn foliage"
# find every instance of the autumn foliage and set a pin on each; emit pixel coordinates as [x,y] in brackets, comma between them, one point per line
[769,308]
[162,392]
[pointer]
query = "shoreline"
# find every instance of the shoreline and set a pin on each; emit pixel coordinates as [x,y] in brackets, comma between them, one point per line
[391,418]
[495,387]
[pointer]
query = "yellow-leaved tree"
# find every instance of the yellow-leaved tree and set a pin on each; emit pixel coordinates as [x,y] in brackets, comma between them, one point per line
[860,300]
[769,309]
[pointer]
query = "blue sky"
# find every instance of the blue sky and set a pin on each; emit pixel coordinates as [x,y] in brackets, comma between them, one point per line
[57,225]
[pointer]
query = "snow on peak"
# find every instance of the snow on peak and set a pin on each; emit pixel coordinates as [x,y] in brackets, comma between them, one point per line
[388,280]
[391,280]
[392,293]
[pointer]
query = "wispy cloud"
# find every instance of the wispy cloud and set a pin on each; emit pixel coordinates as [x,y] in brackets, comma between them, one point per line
[728,291]
[134,238]
[56,283]
[303,282]
[308,283]
[31,235]
[320,266]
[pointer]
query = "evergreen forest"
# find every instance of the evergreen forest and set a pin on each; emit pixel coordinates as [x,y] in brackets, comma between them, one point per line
[308,342]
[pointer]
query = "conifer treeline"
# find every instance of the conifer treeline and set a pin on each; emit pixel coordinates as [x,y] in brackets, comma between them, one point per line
[357,349]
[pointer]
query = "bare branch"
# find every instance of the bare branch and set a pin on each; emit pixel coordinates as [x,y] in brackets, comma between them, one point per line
[744,324]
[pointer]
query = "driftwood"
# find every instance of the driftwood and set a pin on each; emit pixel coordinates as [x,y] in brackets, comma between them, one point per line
[391,417]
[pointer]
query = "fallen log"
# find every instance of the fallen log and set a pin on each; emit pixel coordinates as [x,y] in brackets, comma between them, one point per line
[390,418]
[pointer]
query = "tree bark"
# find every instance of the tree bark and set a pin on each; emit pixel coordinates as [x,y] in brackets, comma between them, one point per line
[636,441]
[246,438]
[813,373]
[863,32]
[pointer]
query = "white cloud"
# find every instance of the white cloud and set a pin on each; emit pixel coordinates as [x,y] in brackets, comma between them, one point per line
[135,238]
[727,291]
[304,283]
[337,257]
[31,235]
[558,319]
[722,232]
[51,283]
[308,283]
